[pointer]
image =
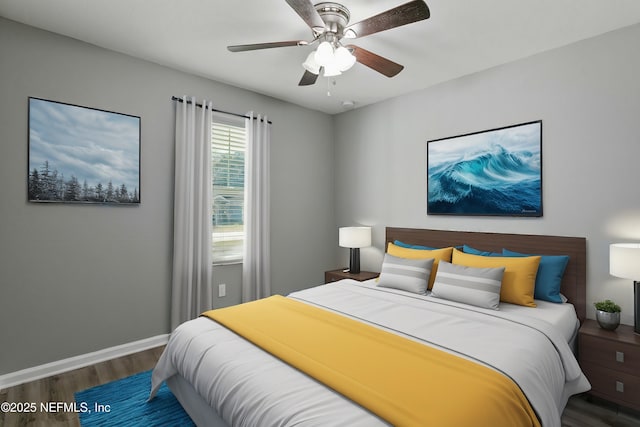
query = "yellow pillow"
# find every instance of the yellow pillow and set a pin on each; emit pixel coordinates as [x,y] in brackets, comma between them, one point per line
[436,254]
[519,279]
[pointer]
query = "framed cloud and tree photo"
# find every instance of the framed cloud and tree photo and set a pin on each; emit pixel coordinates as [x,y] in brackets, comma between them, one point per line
[82,155]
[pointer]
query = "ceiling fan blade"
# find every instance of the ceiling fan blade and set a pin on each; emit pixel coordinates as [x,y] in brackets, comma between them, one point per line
[375,62]
[402,15]
[307,12]
[257,46]
[308,78]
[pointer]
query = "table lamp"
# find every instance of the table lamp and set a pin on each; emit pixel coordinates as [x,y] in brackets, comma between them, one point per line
[354,238]
[624,261]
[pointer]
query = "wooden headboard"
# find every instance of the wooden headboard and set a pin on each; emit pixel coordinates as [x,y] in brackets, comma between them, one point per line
[574,281]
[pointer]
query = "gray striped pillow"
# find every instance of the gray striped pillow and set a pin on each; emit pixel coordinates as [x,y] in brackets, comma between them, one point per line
[469,285]
[405,274]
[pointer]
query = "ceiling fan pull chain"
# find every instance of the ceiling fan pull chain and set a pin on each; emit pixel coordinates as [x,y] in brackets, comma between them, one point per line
[329,82]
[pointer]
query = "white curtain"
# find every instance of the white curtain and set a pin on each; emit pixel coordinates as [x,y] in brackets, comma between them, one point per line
[191,284]
[256,270]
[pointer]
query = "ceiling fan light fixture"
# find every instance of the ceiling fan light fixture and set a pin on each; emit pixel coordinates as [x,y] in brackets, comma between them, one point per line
[331,70]
[324,54]
[311,65]
[344,59]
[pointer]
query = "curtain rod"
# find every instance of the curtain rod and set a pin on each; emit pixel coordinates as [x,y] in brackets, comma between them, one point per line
[175,98]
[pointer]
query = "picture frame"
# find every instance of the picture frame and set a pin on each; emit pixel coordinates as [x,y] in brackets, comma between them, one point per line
[495,172]
[82,155]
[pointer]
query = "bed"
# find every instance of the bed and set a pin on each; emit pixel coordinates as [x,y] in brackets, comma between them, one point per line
[223,379]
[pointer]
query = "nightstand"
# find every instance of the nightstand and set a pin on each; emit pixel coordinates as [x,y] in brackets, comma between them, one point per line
[334,275]
[611,362]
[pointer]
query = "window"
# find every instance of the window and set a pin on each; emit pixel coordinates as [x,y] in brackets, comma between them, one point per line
[228,143]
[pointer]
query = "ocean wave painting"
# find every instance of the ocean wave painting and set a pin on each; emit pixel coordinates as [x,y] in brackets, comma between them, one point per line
[495,172]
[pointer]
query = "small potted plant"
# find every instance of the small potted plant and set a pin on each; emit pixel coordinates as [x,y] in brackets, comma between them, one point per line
[607,314]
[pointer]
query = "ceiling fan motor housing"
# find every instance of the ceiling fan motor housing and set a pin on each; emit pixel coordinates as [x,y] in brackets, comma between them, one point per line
[335,16]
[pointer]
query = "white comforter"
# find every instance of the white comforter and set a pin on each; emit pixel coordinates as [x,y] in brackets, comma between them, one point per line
[249,387]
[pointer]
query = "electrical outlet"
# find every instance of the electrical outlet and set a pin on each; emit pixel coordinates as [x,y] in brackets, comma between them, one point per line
[222,290]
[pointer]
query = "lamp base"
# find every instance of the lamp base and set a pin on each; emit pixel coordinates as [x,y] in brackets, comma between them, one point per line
[354,261]
[636,307]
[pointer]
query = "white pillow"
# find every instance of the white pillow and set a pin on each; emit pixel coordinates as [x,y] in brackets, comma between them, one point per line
[409,275]
[469,285]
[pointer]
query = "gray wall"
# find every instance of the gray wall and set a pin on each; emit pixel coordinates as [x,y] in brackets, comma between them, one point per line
[588,97]
[76,279]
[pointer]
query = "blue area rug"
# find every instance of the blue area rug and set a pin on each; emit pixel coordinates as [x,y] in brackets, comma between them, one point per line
[124,403]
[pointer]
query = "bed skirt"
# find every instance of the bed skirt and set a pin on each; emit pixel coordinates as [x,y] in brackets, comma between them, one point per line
[198,409]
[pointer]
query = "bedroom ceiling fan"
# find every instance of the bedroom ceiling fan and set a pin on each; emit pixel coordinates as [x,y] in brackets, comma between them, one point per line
[329,25]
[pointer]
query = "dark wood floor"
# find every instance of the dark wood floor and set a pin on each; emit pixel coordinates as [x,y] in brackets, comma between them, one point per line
[61,388]
[583,411]
[580,412]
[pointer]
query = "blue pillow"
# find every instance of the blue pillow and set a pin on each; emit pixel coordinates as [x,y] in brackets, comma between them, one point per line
[469,250]
[549,276]
[424,248]
[406,245]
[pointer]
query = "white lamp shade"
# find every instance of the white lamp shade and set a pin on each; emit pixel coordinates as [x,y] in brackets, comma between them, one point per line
[331,70]
[354,237]
[324,54]
[311,65]
[344,59]
[624,260]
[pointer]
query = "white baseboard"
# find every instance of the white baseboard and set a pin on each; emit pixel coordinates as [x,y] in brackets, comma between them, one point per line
[42,371]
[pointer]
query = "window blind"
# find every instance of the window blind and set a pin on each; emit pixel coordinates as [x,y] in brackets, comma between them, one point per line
[228,146]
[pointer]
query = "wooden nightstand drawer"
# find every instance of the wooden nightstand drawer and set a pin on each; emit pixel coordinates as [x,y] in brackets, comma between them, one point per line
[616,386]
[610,354]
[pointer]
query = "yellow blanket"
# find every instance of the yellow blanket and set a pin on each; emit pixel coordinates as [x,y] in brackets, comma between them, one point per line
[402,381]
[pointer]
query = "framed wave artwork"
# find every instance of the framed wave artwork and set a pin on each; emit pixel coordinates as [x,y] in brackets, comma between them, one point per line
[496,172]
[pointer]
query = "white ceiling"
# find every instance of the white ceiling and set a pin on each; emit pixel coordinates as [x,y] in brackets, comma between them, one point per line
[461,37]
